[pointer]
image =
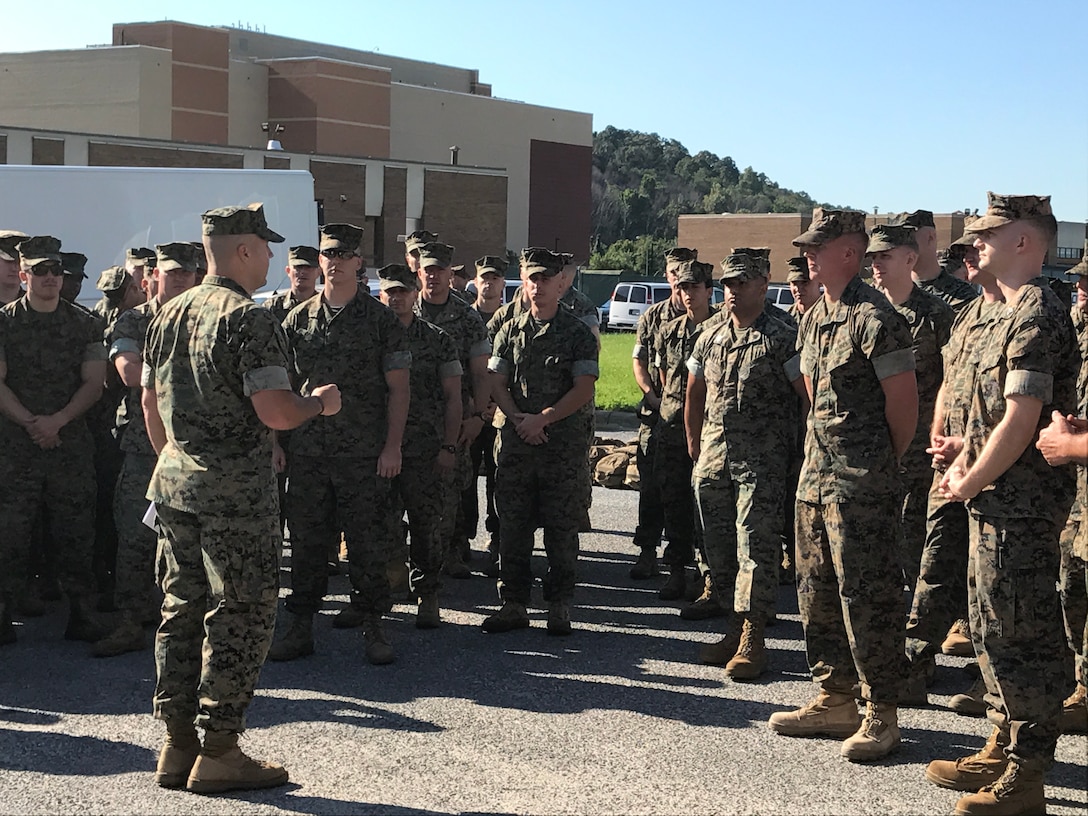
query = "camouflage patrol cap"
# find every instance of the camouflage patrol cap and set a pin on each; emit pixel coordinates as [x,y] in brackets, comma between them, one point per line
[492,265]
[413,242]
[178,255]
[742,267]
[435,253]
[568,258]
[459,271]
[917,219]
[678,255]
[761,254]
[965,240]
[239,221]
[302,256]
[798,270]
[1004,209]
[39,249]
[951,259]
[341,236]
[113,279]
[694,272]
[73,263]
[537,260]
[139,255]
[201,256]
[827,225]
[397,276]
[8,240]
[1081,269]
[890,236]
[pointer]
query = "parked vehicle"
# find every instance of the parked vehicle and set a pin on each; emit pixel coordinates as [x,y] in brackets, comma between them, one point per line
[780,295]
[631,298]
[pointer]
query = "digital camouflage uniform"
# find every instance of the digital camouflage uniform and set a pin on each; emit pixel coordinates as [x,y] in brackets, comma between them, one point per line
[335,485]
[582,307]
[44,353]
[136,542]
[469,334]
[1073,579]
[849,576]
[672,466]
[749,435]
[940,593]
[953,291]
[540,360]
[419,490]
[930,321]
[281,305]
[207,352]
[651,511]
[1015,524]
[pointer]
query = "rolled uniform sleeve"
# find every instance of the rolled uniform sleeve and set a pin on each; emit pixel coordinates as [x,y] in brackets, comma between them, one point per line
[887,343]
[262,355]
[450,368]
[1031,362]
[698,355]
[584,368]
[792,368]
[500,361]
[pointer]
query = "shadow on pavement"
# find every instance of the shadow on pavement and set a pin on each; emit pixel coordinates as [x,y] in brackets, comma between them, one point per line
[55,754]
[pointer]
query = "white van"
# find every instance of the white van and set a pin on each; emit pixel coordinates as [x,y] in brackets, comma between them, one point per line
[780,295]
[630,299]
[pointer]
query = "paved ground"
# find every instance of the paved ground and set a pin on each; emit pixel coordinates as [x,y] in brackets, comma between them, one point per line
[615,719]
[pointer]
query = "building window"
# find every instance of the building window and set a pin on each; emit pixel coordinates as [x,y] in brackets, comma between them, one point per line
[1070,253]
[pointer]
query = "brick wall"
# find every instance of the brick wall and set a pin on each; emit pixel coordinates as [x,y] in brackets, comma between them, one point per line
[394,212]
[467,211]
[560,200]
[48,151]
[123,155]
[715,235]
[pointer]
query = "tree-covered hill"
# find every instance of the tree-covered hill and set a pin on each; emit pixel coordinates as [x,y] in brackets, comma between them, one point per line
[642,182]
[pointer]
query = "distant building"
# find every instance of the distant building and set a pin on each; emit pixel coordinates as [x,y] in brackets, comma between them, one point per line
[377,132]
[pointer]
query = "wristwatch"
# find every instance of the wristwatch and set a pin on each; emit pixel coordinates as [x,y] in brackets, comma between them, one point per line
[449,448]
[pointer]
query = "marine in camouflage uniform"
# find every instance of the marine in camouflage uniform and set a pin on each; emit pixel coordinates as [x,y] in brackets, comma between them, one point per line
[175,272]
[930,276]
[930,320]
[545,364]
[465,326]
[744,419]
[651,512]
[213,361]
[430,437]
[859,370]
[672,463]
[52,365]
[1017,511]
[335,485]
[940,593]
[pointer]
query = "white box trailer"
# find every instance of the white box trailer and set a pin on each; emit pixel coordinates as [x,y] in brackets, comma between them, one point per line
[102,211]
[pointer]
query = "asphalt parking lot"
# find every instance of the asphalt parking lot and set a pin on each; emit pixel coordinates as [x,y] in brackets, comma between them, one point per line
[618,718]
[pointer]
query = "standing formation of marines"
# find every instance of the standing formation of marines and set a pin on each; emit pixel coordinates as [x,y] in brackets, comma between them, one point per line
[913,431]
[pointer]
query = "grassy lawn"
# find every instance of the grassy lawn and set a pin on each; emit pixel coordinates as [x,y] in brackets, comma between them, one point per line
[616,389]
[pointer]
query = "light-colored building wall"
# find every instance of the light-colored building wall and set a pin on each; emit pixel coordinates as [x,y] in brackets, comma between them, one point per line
[248,106]
[425,123]
[122,91]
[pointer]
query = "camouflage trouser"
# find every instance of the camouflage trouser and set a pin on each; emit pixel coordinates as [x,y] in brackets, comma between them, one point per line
[850,595]
[1073,587]
[917,477]
[672,471]
[1016,626]
[328,496]
[107,466]
[940,594]
[57,485]
[220,581]
[540,482]
[421,492]
[136,542]
[651,513]
[741,525]
[482,457]
[452,522]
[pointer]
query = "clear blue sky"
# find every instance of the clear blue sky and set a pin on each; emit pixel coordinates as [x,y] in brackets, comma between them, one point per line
[895,105]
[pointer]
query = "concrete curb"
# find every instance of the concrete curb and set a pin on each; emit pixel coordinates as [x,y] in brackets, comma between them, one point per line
[616,420]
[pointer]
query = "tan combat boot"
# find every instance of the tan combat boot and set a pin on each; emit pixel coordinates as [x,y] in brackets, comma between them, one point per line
[958,640]
[1075,712]
[511,616]
[706,606]
[751,657]
[427,614]
[646,565]
[676,585]
[971,703]
[221,766]
[559,618]
[127,636]
[83,623]
[454,566]
[973,772]
[829,714]
[1019,792]
[378,650]
[877,737]
[722,651]
[179,752]
[297,641]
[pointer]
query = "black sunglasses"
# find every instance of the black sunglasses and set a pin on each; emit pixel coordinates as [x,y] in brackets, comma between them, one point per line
[41,270]
[333,254]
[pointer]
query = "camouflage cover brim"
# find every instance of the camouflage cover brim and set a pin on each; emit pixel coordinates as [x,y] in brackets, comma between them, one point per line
[880,243]
[796,276]
[986,222]
[1080,270]
[812,237]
